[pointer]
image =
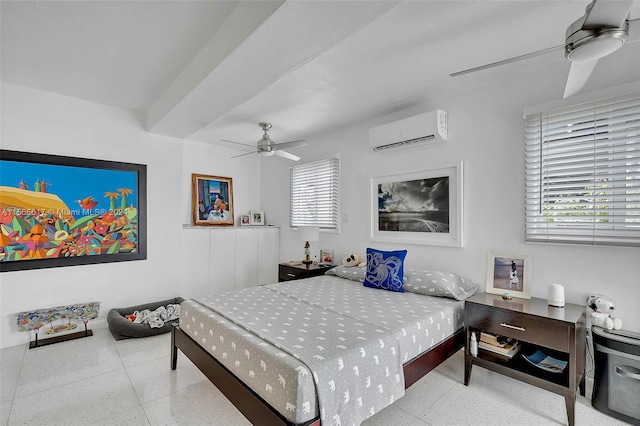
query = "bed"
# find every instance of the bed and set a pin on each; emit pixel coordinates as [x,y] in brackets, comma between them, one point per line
[365,346]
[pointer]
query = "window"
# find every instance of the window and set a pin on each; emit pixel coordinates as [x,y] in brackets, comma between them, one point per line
[314,197]
[583,174]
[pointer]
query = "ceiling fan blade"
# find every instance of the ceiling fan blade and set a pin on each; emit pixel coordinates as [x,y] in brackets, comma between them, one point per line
[237,143]
[510,60]
[246,153]
[607,13]
[285,154]
[292,144]
[578,76]
[634,31]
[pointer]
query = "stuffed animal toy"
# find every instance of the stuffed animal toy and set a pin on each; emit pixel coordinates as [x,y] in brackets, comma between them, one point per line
[601,316]
[354,260]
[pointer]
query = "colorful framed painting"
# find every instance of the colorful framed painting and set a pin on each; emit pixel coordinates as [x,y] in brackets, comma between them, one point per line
[212,200]
[64,211]
[509,273]
[422,207]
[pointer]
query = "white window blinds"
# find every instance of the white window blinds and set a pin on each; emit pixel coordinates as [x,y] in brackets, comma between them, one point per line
[583,174]
[314,196]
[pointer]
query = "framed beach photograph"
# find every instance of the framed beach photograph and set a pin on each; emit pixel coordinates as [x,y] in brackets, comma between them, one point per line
[245,220]
[212,200]
[326,257]
[509,273]
[423,207]
[64,211]
[256,218]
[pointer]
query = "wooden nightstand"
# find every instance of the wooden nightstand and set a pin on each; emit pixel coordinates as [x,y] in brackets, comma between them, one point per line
[558,332]
[287,272]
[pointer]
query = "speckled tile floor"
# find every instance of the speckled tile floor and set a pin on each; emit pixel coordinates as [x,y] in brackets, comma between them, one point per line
[100,381]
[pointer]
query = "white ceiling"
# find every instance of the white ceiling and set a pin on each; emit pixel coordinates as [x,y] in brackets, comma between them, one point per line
[206,70]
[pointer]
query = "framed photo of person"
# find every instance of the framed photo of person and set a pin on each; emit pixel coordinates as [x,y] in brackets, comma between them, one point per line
[509,273]
[256,218]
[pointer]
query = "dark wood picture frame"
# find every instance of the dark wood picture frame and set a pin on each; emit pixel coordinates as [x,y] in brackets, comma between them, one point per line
[65,211]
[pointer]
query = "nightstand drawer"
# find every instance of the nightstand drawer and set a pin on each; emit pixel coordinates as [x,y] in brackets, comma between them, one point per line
[286,274]
[529,328]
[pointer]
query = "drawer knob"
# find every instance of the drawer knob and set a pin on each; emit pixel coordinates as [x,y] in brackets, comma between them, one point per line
[291,275]
[513,327]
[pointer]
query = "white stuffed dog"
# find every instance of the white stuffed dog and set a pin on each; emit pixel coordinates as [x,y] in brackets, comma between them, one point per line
[602,312]
[354,260]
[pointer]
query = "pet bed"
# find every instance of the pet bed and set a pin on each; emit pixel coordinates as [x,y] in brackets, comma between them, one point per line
[121,328]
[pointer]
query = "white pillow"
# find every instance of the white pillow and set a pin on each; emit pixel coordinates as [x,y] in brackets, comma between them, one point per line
[436,283]
[354,273]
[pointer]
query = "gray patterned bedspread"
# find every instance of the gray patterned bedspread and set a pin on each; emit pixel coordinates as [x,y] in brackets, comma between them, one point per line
[277,377]
[355,365]
[420,322]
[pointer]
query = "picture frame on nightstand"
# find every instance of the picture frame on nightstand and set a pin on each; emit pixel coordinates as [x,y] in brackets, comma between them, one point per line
[326,257]
[509,273]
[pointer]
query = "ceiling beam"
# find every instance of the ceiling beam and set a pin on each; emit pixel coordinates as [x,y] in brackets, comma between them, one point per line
[238,63]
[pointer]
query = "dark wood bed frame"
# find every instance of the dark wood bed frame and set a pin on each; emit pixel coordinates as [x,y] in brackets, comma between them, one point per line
[257,410]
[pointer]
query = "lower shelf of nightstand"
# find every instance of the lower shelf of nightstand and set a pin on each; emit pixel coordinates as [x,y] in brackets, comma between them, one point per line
[518,369]
[518,365]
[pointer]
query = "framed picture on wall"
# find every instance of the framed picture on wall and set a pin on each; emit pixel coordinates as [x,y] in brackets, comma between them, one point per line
[245,220]
[422,207]
[509,273]
[64,211]
[212,200]
[256,218]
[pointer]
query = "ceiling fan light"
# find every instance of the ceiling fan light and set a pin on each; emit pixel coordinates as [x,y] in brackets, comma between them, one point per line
[590,44]
[595,50]
[267,153]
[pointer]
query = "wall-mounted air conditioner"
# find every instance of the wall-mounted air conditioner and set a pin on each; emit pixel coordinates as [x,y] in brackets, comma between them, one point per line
[410,132]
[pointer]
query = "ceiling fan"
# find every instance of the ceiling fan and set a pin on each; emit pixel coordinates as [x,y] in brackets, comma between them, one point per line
[267,147]
[603,29]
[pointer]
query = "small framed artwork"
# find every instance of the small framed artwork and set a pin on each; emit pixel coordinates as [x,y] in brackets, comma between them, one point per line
[326,257]
[256,218]
[245,220]
[212,200]
[509,273]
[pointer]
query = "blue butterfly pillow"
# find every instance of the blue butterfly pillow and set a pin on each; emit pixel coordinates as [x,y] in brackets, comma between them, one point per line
[385,269]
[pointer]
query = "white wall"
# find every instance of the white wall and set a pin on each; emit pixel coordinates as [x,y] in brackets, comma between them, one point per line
[199,245]
[42,122]
[486,133]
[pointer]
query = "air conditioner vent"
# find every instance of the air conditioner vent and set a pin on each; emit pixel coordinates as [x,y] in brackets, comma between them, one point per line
[410,132]
[405,144]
